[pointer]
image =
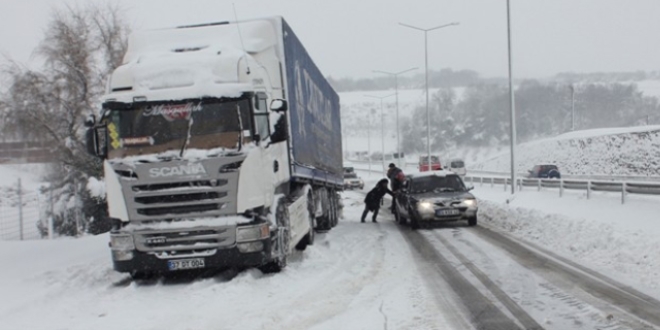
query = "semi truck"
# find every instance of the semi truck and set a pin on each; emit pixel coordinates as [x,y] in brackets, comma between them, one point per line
[221,147]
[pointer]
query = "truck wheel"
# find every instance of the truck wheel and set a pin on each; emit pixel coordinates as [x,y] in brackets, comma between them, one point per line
[323,223]
[141,275]
[309,238]
[334,212]
[472,221]
[282,240]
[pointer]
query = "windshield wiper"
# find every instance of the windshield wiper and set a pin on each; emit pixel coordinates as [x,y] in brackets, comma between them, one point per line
[187,141]
[444,189]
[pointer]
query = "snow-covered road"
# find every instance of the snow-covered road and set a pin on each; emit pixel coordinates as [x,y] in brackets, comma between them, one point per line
[357,276]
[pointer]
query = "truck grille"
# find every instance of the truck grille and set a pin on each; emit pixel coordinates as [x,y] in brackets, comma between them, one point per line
[180,198]
[213,193]
[188,240]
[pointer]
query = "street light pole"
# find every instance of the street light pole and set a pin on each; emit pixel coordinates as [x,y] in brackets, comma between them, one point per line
[572,107]
[426,75]
[512,104]
[382,126]
[396,92]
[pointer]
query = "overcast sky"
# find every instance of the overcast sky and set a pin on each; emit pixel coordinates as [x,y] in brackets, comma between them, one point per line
[350,38]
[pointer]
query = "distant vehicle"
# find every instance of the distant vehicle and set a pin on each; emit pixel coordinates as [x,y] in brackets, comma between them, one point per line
[545,172]
[424,164]
[352,181]
[457,166]
[433,197]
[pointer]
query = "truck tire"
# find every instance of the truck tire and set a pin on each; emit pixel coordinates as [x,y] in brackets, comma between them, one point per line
[281,241]
[309,238]
[323,222]
[334,209]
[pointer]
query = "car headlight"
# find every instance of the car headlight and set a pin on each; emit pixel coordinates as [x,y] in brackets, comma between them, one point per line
[122,242]
[470,202]
[425,206]
[252,233]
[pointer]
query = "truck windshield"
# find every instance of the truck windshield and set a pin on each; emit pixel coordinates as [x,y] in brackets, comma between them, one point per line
[157,127]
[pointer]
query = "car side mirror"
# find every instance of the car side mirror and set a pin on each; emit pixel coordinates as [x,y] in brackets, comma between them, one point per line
[279,105]
[470,188]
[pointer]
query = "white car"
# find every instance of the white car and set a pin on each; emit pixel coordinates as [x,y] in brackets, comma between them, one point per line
[457,166]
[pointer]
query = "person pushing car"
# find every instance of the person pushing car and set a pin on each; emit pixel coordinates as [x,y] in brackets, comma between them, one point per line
[374,198]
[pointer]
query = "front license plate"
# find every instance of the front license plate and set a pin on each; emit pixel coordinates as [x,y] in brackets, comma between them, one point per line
[447,212]
[185,264]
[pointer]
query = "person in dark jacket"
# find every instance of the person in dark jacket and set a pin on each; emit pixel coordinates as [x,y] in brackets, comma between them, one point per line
[397,178]
[373,199]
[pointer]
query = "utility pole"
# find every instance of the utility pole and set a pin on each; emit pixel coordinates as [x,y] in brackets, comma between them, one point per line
[426,77]
[512,103]
[396,92]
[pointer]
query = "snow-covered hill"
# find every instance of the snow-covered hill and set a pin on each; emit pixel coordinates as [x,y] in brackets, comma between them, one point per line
[614,151]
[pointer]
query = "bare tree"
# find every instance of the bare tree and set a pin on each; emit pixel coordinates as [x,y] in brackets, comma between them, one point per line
[81,47]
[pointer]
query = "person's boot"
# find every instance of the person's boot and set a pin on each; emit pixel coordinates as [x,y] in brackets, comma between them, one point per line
[362,220]
[374,220]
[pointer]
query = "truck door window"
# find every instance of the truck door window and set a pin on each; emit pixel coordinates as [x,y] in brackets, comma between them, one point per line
[262,126]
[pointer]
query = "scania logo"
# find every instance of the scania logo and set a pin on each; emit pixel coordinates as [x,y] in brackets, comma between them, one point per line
[189,169]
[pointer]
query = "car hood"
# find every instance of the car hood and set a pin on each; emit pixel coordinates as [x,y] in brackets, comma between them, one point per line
[435,197]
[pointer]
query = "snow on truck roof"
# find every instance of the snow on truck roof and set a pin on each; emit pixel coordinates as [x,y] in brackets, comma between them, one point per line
[257,34]
[191,60]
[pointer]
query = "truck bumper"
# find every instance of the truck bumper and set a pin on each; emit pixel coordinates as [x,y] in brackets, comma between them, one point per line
[223,258]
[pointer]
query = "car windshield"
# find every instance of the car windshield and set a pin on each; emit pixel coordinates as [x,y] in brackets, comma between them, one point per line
[157,127]
[434,183]
[350,176]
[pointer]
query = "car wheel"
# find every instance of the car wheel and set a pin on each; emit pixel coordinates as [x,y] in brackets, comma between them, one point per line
[472,221]
[414,220]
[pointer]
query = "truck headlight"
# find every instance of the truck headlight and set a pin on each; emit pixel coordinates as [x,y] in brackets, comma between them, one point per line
[252,233]
[122,242]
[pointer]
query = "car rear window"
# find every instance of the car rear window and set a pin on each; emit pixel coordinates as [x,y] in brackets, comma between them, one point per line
[437,184]
[457,164]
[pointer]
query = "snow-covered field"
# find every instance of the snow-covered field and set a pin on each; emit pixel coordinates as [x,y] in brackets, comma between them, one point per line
[357,276]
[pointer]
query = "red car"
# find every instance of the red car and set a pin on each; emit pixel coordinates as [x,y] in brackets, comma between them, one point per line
[424,165]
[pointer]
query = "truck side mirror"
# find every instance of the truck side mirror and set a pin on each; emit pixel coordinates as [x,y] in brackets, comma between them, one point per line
[101,141]
[90,140]
[280,132]
[90,121]
[279,105]
[95,141]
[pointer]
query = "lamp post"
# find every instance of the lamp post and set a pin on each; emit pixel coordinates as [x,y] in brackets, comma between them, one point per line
[512,103]
[382,125]
[572,88]
[396,92]
[426,74]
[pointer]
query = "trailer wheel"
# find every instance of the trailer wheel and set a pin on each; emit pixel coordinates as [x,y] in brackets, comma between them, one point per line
[309,238]
[323,223]
[281,241]
[334,214]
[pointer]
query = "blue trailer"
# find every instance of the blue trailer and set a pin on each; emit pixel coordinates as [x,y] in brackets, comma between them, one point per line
[314,116]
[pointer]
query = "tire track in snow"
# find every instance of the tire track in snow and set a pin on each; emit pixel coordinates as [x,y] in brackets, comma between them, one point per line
[525,319]
[620,298]
[483,314]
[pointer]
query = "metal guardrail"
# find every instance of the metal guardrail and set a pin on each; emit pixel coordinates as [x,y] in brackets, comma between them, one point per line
[624,188]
